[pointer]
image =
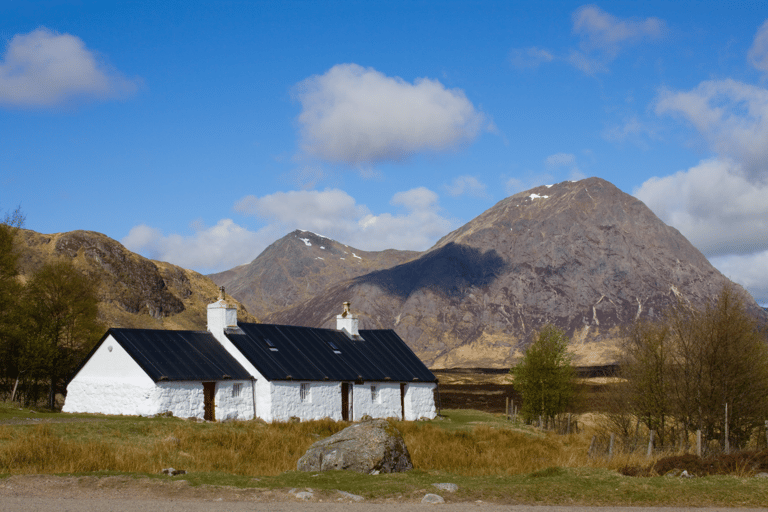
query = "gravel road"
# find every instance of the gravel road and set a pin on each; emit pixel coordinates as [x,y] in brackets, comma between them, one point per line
[125,494]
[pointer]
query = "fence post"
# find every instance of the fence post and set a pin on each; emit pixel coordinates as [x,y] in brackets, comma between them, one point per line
[591,451]
[568,427]
[766,432]
[727,443]
[650,444]
[610,446]
[698,442]
[507,409]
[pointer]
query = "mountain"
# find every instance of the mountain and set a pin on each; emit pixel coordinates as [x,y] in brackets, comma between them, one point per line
[299,266]
[134,291]
[581,255]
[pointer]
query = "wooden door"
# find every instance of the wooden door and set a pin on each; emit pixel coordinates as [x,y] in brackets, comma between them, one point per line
[345,401]
[209,401]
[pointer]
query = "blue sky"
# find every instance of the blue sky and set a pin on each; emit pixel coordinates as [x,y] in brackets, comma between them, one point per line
[198,133]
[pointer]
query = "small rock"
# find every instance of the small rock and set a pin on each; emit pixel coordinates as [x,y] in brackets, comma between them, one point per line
[173,472]
[432,498]
[302,495]
[349,495]
[447,487]
[685,474]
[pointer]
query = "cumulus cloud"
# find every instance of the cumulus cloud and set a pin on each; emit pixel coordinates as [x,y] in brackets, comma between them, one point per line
[758,52]
[468,185]
[43,68]
[208,249]
[533,57]
[359,116]
[732,116]
[722,213]
[604,36]
[748,270]
[336,214]
[713,205]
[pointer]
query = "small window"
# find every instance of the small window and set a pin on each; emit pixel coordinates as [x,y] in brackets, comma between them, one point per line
[334,347]
[375,395]
[236,389]
[270,344]
[304,392]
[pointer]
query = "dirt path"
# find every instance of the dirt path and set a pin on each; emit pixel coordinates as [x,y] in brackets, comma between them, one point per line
[126,494]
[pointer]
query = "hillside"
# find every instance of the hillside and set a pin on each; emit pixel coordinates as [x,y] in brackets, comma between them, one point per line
[581,255]
[134,291]
[297,267]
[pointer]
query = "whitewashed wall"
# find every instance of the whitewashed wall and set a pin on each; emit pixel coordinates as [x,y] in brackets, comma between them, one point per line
[420,401]
[110,383]
[389,406]
[184,399]
[324,401]
[234,408]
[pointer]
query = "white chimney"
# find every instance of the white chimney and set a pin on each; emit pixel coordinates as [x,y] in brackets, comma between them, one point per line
[221,314]
[347,322]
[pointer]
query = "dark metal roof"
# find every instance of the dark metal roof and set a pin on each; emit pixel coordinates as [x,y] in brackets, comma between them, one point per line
[179,355]
[282,352]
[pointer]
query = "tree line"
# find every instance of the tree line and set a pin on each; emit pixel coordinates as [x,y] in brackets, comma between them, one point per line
[696,368]
[48,321]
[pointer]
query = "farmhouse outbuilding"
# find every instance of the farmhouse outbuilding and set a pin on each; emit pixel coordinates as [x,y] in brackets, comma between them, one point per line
[272,372]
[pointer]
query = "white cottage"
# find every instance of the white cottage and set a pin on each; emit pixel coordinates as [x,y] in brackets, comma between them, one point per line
[273,372]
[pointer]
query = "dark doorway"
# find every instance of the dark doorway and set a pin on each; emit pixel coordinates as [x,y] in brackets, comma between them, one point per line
[345,401]
[209,401]
[402,399]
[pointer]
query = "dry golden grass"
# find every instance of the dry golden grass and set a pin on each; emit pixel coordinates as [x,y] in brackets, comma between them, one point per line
[238,448]
[466,446]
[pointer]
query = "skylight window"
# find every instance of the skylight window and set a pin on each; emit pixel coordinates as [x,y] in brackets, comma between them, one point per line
[271,345]
[334,347]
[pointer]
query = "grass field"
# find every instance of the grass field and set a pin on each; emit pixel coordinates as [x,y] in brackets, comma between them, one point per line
[487,456]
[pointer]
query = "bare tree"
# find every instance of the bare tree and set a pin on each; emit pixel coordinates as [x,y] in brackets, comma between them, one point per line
[683,370]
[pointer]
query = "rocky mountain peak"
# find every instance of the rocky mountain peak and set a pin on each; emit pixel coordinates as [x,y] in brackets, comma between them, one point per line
[583,255]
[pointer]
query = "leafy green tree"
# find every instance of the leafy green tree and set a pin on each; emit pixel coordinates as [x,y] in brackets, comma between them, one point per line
[62,308]
[544,377]
[10,294]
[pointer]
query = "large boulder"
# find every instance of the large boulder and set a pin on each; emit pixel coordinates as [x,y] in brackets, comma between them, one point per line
[372,446]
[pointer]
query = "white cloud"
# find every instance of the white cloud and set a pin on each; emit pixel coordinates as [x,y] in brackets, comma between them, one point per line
[359,116]
[732,116]
[748,270]
[714,206]
[44,68]
[604,36]
[532,57]
[216,248]
[758,52]
[467,185]
[335,214]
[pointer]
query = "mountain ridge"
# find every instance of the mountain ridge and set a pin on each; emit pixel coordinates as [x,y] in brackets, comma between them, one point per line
[581,255]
